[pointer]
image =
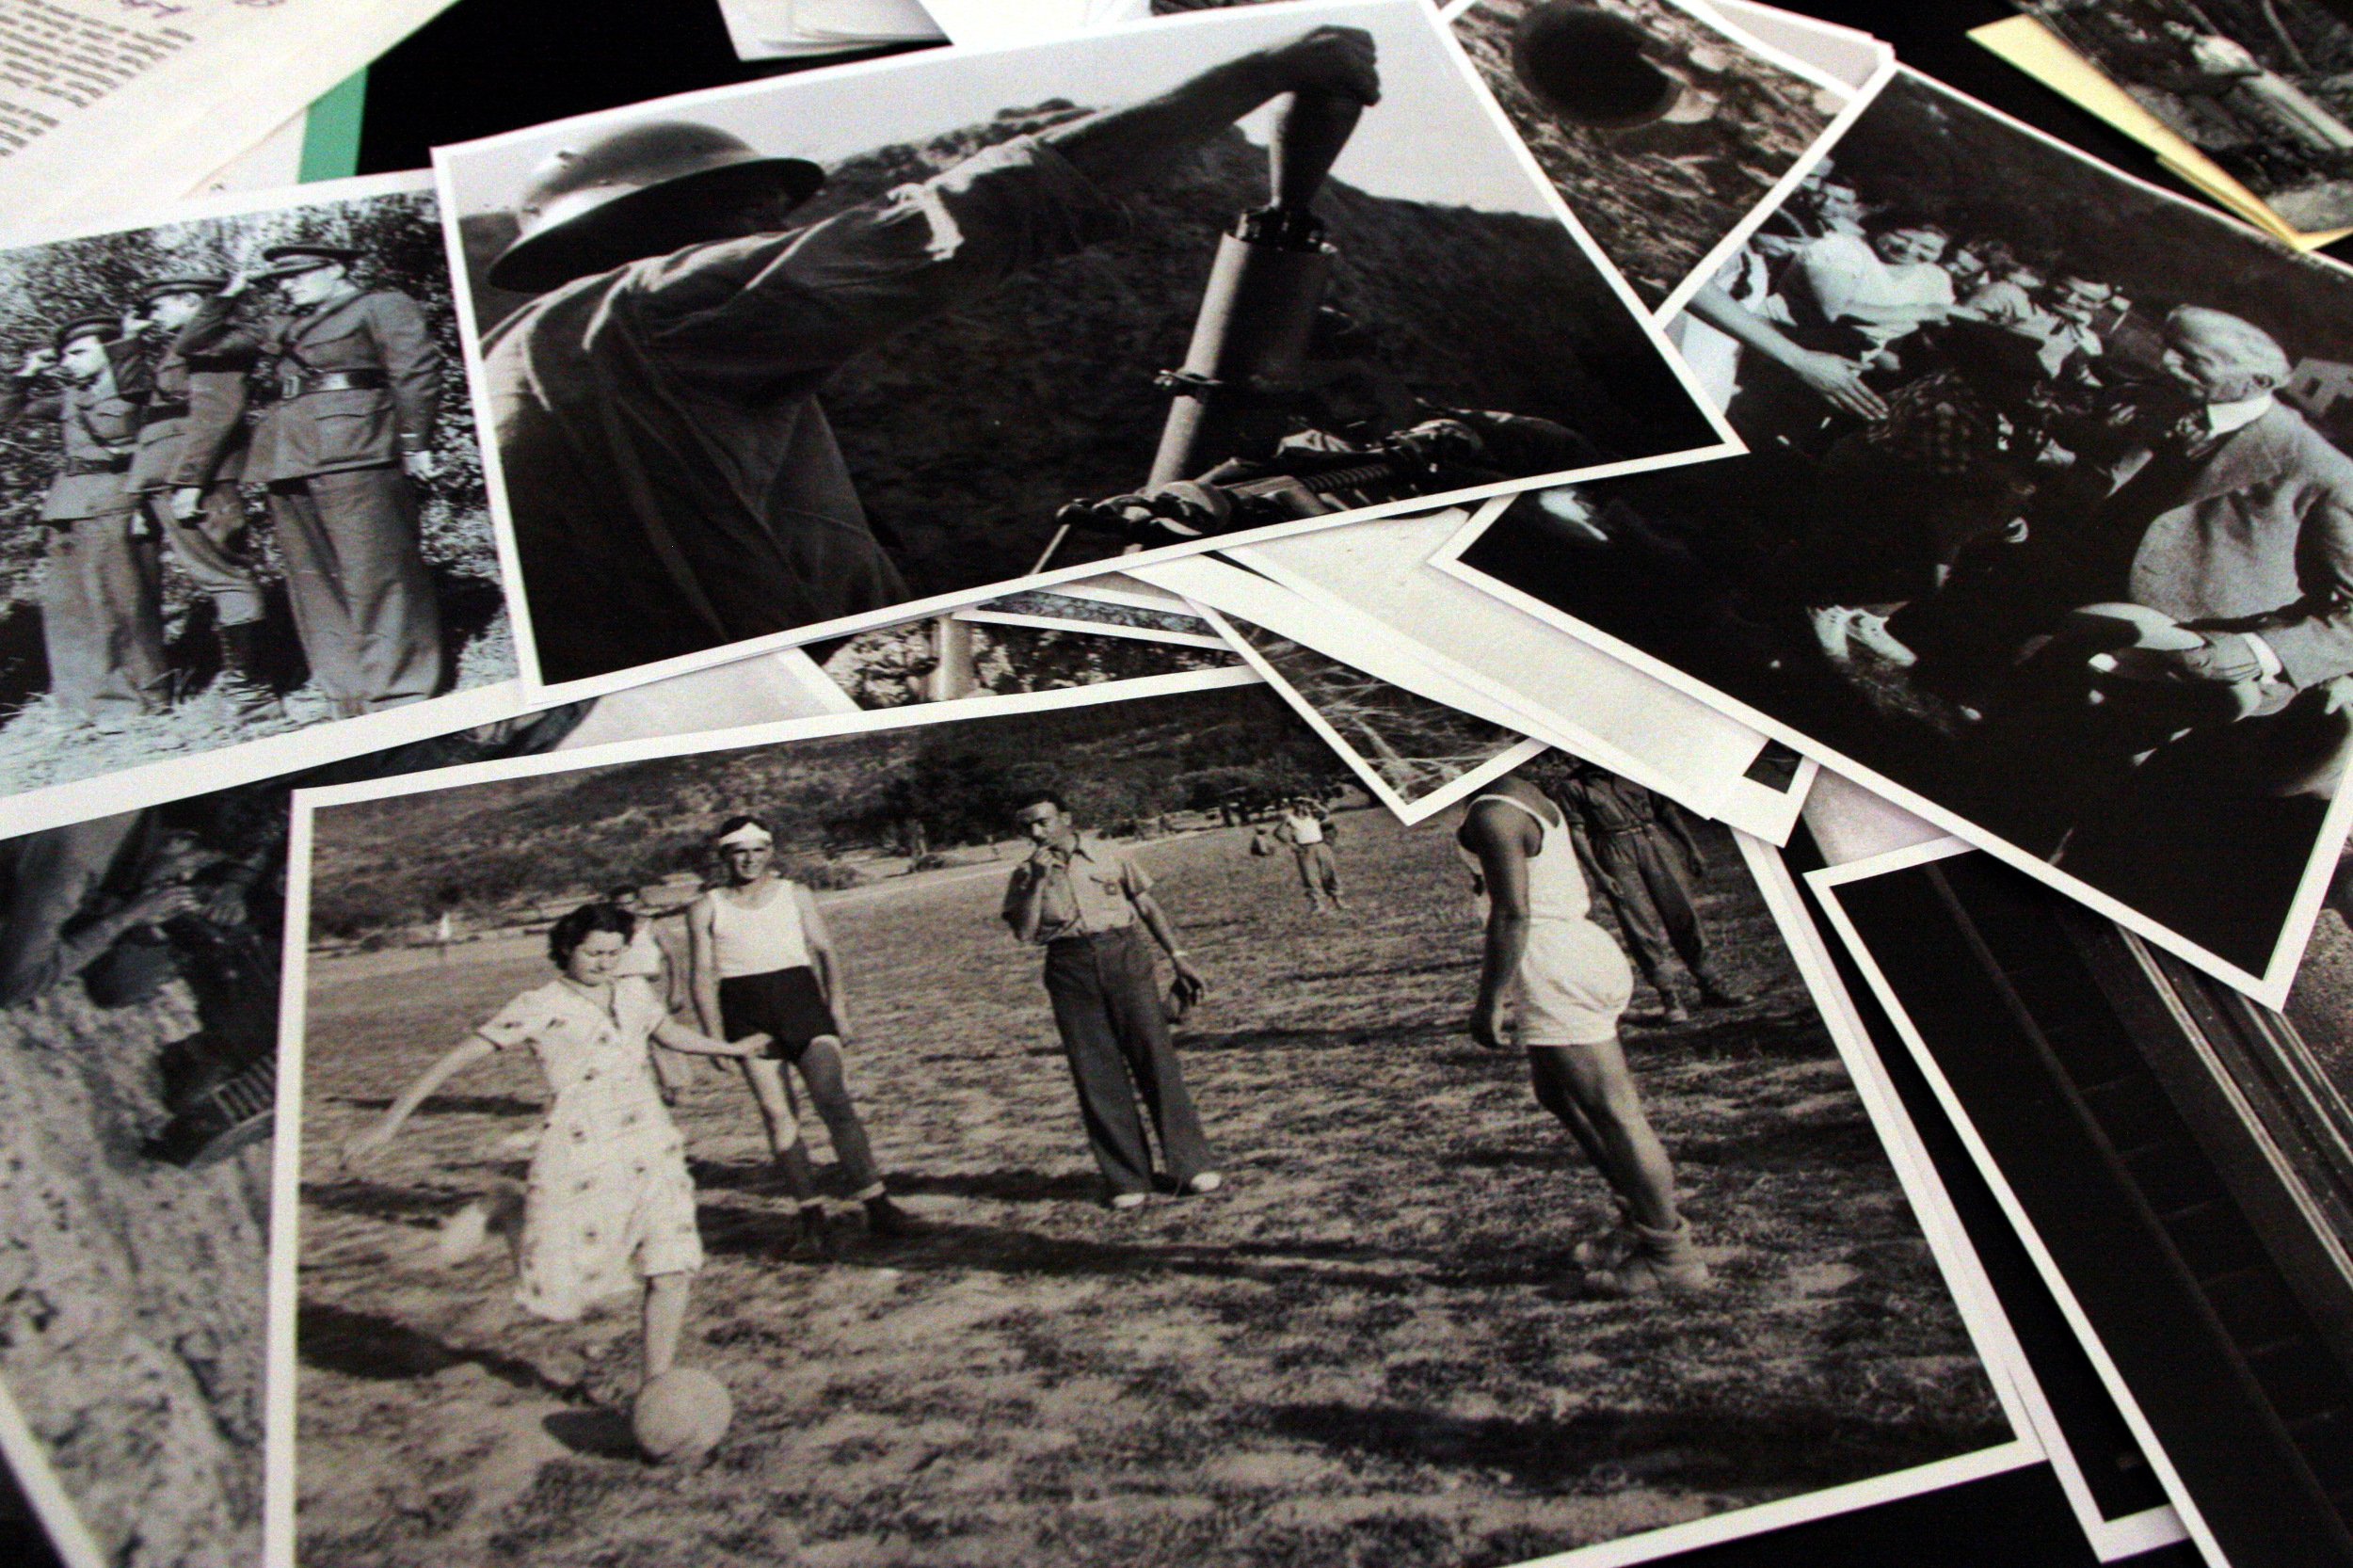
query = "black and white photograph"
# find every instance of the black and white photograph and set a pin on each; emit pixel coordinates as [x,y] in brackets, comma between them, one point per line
[950,657]
[2173,1155]
[777,362]
[139,964]
[245,500]
[1662,126]
[1149,1211]
[2262,88]
[2045,531]
[1116,606]
[1417,756]
[1364,595]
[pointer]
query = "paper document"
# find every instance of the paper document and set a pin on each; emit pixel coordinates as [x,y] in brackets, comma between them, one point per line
[114,106]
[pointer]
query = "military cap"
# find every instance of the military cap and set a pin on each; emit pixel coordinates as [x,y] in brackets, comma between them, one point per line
[105,328]
[182,282]
[279,260]
[645,190]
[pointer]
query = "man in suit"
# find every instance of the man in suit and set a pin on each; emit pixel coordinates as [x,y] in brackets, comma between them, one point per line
[2198,709]
[101,594]
[358,385]
[190,456]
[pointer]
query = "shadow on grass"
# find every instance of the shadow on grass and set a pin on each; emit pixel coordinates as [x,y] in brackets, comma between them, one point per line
[597,1433]
[1768,1449]
[1003,1186]
[456,1105]
[1317,1039]
[945,1247]
[378,1200]
[384,1350]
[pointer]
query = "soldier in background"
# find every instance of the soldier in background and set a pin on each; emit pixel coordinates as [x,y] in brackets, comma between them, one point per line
[358,384]
[101,595]
[1621,831]
[191,455]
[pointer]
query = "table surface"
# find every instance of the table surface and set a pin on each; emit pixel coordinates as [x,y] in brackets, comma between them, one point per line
[488,66]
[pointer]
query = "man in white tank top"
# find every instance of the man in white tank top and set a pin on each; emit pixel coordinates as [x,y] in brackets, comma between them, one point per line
[1571,982]
[763,963]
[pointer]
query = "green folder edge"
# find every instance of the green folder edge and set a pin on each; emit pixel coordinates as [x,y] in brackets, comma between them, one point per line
[330,131]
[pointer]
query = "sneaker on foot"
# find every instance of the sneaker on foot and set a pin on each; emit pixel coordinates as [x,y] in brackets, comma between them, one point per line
[1870,633]
[1206,1182]
[1830,624]
[1675,1012]
[1125,1202]
[811,1242]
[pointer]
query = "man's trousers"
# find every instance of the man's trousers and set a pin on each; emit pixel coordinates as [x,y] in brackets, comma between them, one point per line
[1656,910]
[102,617]
[363,603]
[215,551]
[1107,1004]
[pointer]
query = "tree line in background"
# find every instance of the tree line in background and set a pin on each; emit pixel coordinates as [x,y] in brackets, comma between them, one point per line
[383,866]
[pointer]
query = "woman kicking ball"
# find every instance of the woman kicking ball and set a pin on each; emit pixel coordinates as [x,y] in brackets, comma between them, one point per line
[608,1206]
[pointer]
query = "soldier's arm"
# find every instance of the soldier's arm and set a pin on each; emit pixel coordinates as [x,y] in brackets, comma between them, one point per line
[412,365]
[1678,826]
[19,401]
[216,401]
[215,333]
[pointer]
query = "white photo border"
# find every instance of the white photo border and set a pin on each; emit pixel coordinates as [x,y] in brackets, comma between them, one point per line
[541,693]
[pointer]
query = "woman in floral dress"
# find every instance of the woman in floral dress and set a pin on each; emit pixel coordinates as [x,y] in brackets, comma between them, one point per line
[608,1204]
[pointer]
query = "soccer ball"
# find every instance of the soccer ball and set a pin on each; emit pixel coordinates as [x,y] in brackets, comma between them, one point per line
[680,1416]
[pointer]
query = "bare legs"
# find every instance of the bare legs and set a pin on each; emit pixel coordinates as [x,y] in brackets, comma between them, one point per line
[1590,1090]
[665,1320]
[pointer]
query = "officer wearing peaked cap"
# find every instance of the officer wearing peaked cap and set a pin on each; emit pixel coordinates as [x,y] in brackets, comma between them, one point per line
[191,455]
[101,592]
[670,475]
[357,382]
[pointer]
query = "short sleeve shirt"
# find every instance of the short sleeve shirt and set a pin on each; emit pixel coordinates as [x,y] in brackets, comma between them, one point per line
[575,1039]
[1094,890]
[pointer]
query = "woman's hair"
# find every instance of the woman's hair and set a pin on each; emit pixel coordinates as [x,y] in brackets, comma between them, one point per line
[565,935]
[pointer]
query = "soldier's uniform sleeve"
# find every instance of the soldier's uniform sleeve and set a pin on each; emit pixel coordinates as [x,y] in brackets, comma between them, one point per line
[18,402]
[744,313]
[216,400]
[215,333]
[412,365]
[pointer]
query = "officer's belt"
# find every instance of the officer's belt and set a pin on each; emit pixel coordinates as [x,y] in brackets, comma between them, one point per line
[295,384]
[1625,830]
[77,468]
[155,413]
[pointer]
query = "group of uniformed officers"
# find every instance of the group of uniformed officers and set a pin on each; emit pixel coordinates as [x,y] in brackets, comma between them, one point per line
[165,412]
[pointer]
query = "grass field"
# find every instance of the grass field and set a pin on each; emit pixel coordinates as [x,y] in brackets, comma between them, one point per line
[1368,1349]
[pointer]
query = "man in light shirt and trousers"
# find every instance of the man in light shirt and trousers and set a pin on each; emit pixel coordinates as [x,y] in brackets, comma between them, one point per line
[1082,901]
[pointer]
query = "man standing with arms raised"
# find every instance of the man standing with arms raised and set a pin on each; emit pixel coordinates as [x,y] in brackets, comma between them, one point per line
[191,455]
[670,475]
[358,385]
[102,589]
[1081,901]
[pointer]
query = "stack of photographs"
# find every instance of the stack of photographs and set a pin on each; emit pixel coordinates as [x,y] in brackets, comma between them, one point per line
[1369,781]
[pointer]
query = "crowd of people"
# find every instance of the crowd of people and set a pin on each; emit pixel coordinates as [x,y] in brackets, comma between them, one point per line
[2088,524]
[609,1205]
[166,413]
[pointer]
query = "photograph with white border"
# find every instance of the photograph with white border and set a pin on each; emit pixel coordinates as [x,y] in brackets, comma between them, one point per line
[993,264]
[2053,553]
[1218,1362]
[2113,1080]
[250,531]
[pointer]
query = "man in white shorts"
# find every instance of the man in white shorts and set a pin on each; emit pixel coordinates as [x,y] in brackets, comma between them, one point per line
[1572,983]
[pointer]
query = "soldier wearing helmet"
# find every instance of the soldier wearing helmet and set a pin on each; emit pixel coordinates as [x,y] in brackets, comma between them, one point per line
[671,480]
[101,594]
[356,385]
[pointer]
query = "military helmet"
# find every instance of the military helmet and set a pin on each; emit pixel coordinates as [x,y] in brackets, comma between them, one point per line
[642,191]
[1589,66]
[105,328]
